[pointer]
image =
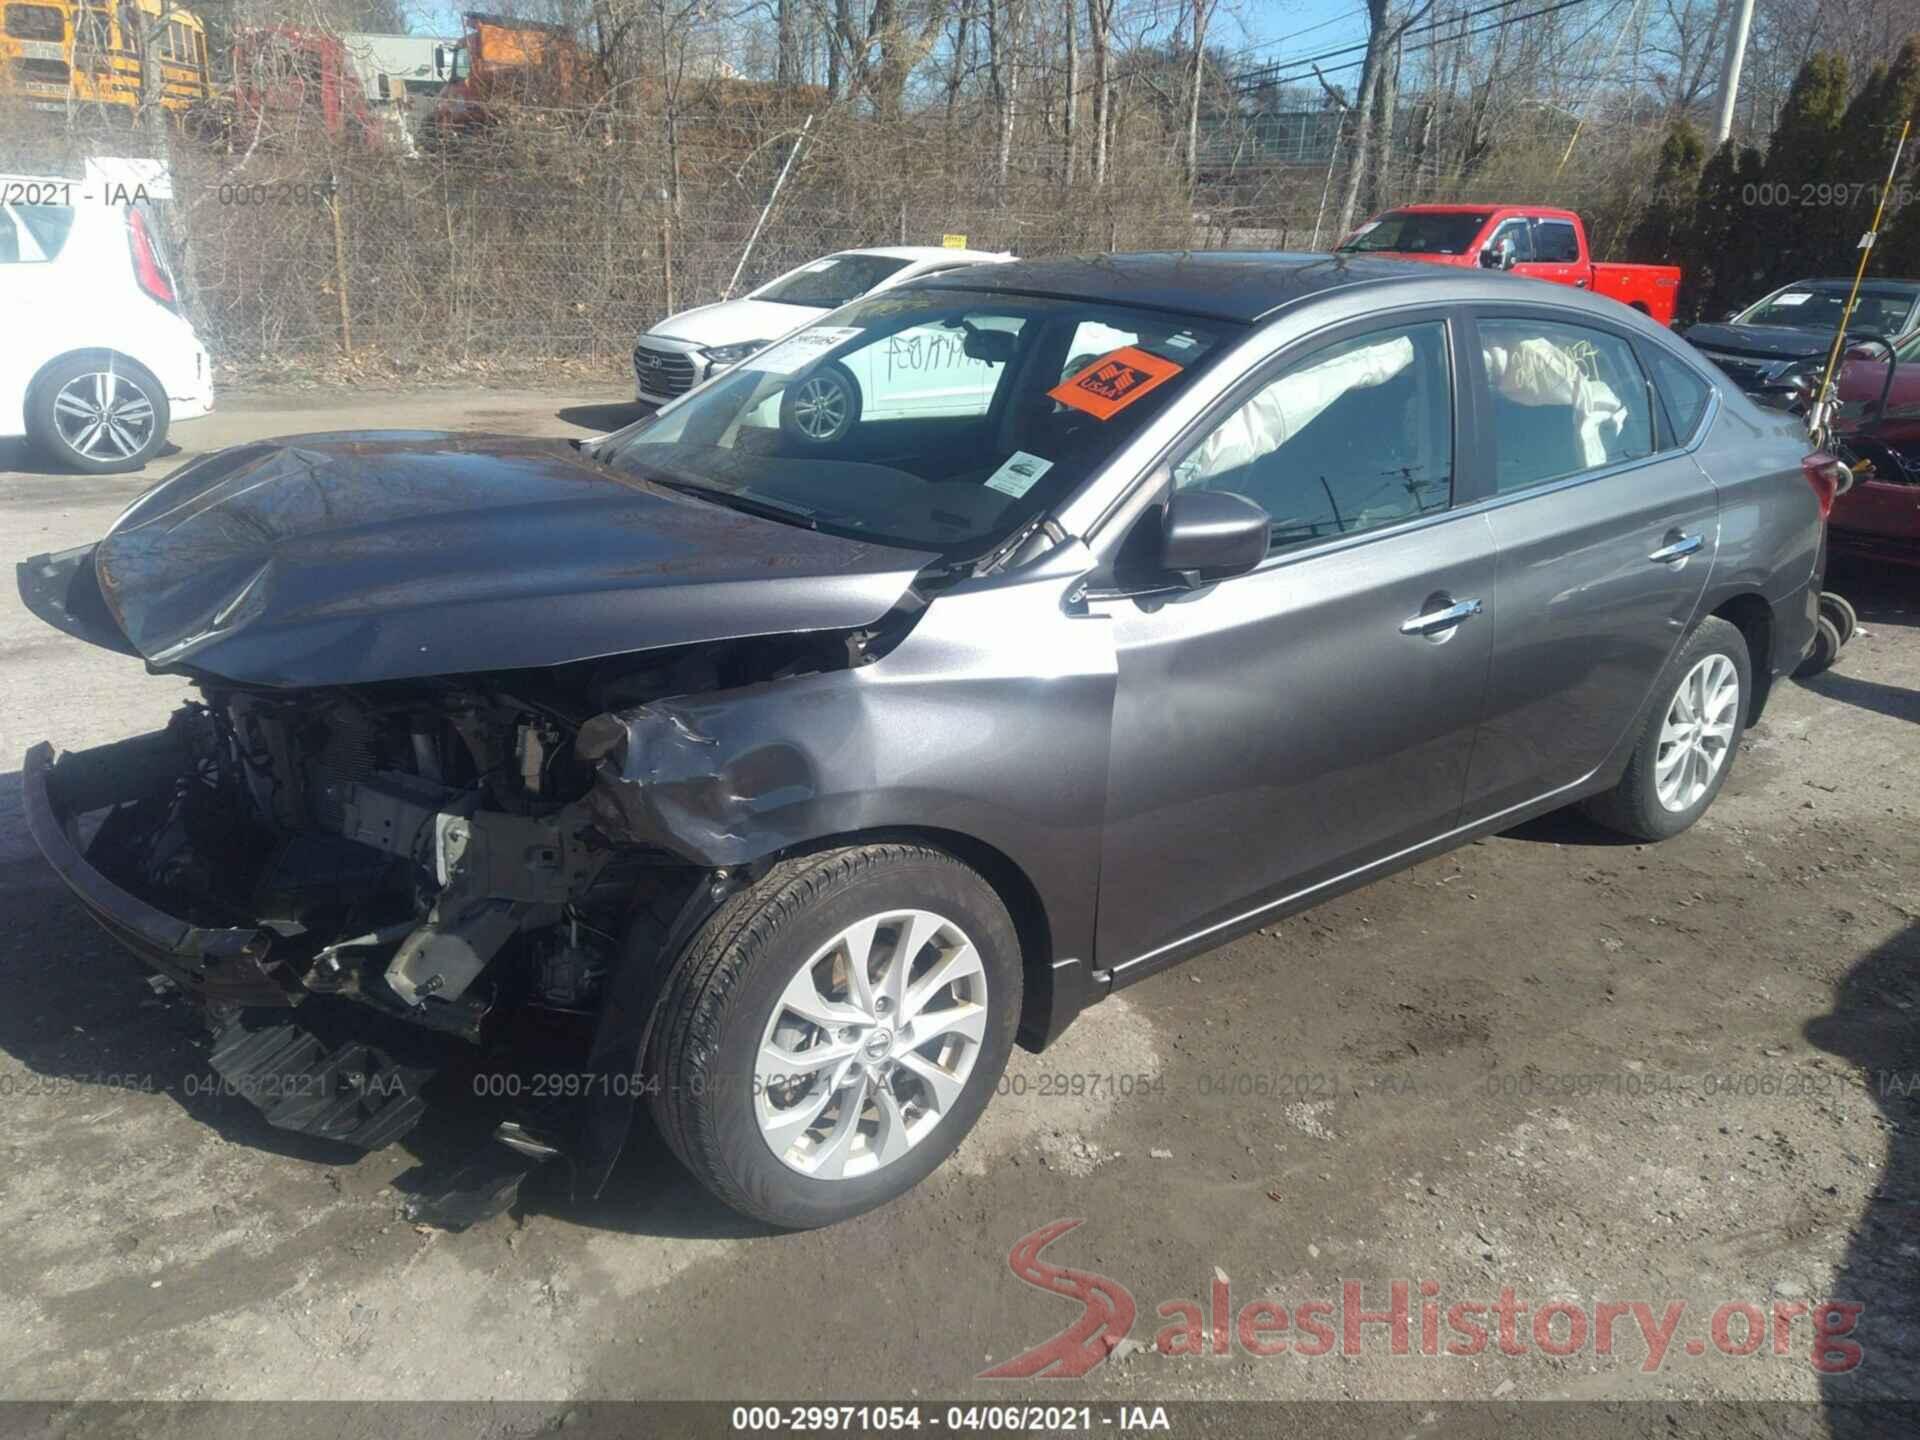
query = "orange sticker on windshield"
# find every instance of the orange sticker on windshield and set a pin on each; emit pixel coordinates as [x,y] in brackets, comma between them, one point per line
[1114,381]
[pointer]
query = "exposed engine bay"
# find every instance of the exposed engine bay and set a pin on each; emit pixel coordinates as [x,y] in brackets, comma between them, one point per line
[430,848]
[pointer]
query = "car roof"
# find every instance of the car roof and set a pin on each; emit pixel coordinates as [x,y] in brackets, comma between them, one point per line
[926,252]
[1845,282]
[1486,209]
[1242,285]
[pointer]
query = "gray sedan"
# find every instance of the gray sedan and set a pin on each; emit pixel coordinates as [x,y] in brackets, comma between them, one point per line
[994,643]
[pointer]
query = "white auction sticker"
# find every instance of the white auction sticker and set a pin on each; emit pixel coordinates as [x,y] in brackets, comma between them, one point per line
[797,352]
[1798,298]
[1019,474]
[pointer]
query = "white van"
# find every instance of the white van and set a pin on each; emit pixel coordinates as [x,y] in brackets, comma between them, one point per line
[97,360]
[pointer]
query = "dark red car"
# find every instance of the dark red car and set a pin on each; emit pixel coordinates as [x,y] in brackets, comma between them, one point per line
[1878,422]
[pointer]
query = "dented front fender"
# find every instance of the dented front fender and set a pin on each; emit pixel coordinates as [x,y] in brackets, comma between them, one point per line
[982,724]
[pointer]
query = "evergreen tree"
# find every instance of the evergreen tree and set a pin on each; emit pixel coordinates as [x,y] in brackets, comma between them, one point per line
[1660,237]
[1896,102]
[1715,275]
[1784,233]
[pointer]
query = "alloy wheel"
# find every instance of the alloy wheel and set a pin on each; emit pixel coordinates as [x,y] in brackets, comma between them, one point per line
[820,407]
[1697,734]
[103,416]
[871,1044]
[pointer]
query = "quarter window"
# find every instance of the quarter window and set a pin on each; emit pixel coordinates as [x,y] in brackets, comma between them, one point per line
[1565,399]
[33,233]
[1352,438]
[1684,392]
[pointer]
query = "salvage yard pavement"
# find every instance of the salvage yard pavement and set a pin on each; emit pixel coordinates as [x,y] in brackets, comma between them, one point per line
[1593,1074]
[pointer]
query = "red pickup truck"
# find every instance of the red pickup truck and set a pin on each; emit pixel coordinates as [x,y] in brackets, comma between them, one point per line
[1526,239]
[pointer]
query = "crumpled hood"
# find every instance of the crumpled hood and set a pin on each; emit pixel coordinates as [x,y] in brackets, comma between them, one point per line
[732,322]
[364,556]
[1760,342]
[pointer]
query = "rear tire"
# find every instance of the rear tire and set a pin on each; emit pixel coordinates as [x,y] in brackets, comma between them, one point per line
[802,1094]
[1826,650]
[97,414]
[1688,740]
[1840,610]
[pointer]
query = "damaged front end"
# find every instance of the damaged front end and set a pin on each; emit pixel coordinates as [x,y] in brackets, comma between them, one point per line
[445,852]
[385,845]
[379,802]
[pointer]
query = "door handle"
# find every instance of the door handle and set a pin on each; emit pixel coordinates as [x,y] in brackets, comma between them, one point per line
[1579,284]
[1430,622]
[1678,549]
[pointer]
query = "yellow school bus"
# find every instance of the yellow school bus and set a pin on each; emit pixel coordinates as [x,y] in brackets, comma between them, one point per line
[60,53]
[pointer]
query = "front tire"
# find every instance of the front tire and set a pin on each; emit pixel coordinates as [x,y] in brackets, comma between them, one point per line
[835,1031]
[1687,745]
[98,414]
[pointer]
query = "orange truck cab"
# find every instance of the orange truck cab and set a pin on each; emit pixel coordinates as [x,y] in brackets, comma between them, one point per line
[501,63]
[1530,240]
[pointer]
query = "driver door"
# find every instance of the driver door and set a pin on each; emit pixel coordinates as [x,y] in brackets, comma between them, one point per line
[1279,732]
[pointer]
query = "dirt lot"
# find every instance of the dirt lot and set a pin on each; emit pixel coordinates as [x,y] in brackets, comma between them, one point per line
[1585,1070]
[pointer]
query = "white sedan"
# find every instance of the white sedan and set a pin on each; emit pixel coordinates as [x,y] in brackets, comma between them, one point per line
[684,349]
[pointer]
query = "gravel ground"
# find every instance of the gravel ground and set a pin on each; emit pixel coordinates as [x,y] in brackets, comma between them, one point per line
[1589,1071]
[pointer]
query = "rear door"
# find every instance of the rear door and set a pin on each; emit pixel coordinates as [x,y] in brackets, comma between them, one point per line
[1606,530]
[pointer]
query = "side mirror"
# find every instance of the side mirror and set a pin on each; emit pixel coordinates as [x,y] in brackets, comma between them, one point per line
[1729,317]
[1213,535]
[1498,256]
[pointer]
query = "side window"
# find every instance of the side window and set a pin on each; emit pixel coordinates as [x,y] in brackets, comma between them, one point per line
[1565,399]
[1518,234]
[92,38]
[1684,392]
[1351,438]
[1555,242]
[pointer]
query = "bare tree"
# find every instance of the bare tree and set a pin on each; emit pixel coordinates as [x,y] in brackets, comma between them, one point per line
[1201,13]
[1004,23]
[1100,39]
[1383,35]
[1071,132]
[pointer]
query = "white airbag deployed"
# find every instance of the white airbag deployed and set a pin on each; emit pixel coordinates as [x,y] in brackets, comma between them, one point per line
[1286,407]
[1539,372]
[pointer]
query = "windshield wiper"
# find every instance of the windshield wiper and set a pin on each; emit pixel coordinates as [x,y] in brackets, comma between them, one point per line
[751,504]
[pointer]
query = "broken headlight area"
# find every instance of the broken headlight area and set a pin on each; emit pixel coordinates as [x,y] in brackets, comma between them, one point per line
[438,849]
[393,845]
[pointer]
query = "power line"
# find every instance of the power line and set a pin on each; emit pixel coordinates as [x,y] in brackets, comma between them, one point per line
[1346,19]
[1361,45]
[1264,75]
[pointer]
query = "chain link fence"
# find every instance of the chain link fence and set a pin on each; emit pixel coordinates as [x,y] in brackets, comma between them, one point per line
[565,234]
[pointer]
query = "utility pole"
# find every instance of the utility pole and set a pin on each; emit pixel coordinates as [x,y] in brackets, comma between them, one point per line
[1730,72]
